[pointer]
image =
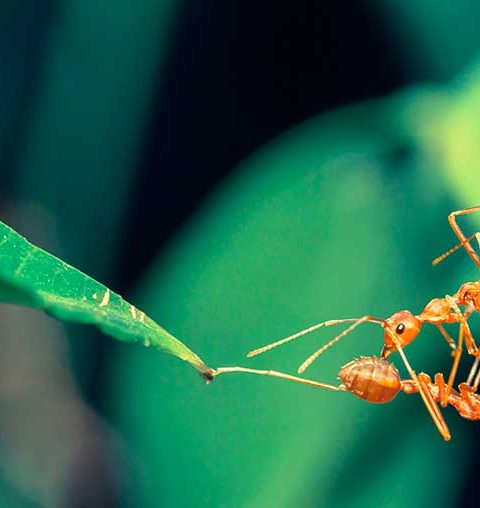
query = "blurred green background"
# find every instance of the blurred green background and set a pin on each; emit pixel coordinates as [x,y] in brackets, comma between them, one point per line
[239,172]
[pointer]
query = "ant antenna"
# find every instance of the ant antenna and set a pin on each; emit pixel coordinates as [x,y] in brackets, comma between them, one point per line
[336,339]
[331,322]
[440,258]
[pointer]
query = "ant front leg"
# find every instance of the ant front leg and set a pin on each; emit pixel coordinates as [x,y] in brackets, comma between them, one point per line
[422,382]
[452,219]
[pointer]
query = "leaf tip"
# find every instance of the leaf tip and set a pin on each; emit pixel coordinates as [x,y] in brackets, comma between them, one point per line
[208,376]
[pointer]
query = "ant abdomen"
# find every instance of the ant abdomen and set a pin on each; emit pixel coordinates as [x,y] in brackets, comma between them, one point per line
[371,379]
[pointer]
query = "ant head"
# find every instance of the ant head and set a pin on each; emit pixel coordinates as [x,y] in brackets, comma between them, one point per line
[404,326]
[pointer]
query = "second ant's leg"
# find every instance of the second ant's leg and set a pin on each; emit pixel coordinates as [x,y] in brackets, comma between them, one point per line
[472,347]
[456,229]
[423,387]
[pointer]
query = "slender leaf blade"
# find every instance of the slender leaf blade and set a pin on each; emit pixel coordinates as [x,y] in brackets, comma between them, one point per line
[32,277]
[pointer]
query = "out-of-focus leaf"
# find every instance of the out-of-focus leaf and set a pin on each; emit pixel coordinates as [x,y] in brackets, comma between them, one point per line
[414,27]
[31,276]
[452,138]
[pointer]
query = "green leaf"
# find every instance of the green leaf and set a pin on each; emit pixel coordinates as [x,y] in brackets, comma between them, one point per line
[32,277]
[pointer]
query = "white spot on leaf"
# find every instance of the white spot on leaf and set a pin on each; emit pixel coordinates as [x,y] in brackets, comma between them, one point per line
[105,299]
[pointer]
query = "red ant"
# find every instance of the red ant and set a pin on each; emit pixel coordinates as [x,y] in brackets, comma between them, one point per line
[401,329]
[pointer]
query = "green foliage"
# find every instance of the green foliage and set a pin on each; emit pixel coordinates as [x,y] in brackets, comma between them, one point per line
[31,276]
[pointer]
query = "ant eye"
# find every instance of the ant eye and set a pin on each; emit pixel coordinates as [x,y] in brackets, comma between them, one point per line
[400,328]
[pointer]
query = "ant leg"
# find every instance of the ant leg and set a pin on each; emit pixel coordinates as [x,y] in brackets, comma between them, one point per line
[456,229]
[473,371]
[472,347]
[423,388]
[355,321]
[281,375]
